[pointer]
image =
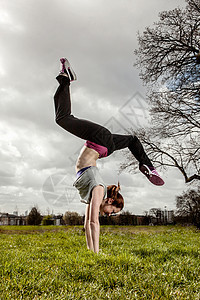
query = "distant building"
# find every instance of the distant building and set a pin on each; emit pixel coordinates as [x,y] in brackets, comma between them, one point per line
[159,217]
[11,219]
[170,216]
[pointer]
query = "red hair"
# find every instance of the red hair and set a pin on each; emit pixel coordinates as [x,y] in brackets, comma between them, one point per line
[113,193]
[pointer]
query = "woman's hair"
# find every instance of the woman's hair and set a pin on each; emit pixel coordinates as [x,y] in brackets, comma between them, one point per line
[113,192]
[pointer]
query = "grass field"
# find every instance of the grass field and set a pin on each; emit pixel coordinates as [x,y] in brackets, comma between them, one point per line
[135,263]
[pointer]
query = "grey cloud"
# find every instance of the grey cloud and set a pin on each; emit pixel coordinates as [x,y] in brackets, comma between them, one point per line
[99,38]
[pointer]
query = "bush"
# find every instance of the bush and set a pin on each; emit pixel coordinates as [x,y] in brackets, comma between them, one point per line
[72,218]
[47,220]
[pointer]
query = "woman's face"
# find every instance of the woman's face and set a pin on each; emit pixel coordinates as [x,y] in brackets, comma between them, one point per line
[107,208]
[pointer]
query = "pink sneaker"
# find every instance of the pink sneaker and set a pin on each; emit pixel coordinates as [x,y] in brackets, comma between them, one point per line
[67,70]
[152,175]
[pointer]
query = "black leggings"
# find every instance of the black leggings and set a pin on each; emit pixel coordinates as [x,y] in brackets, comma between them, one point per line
[91,131]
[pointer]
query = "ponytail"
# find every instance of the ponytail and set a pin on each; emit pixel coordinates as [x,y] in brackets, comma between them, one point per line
[113,193]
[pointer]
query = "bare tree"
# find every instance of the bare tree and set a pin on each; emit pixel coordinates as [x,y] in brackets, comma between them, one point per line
[155,216]
[170,50]
[188,205]
[168,152]
[169,59]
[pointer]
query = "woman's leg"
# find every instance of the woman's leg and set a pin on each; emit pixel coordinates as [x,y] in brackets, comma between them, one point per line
[136,148]
[134,145]
[81,128]
[91,131]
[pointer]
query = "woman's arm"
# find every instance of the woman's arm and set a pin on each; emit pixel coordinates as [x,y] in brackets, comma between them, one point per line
[87,228]
[97,197]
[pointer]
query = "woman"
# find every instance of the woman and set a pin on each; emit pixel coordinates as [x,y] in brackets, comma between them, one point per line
[100,142]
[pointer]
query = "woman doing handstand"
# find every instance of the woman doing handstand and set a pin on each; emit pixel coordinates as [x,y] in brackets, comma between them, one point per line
[100,142]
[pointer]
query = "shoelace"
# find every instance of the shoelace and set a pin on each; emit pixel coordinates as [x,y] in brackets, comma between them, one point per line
[155,173]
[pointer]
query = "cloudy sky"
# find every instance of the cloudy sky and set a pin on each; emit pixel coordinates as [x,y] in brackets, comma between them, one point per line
[98,37]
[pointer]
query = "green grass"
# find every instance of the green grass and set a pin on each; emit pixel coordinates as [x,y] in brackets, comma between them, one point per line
[135,263]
